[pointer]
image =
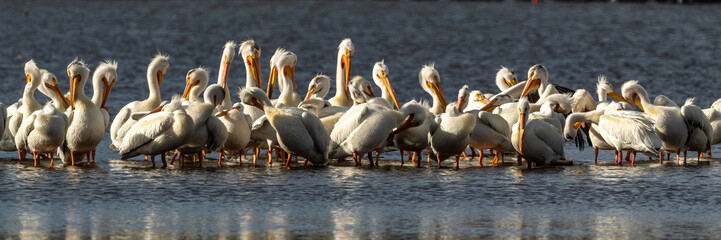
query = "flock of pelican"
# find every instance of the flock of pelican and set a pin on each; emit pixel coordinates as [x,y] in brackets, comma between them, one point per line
[355,122]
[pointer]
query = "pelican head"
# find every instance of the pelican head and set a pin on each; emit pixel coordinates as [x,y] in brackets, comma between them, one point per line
[157,69]
[604,89]
[414,115]
[362,85]
[50,88]
[463,94]
[635,93]
[255,97]
[380,77]
[574,121]
[318,87]
[250,52]
[32,75]
[345,53]
[104,75]
[716,105]
[214,94]
[523,108]
[560,103]
[505,78]
[78,74]
[537,77]
[356,90]
[430,82]
[228,55]
[236,107]
[196,81]
[282,62]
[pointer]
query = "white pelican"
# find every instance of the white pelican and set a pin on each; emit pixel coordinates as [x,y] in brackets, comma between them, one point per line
[86,128]
[491,132]
[263,135]
[122,121]
[104,78]
[505,78]
[380,78]
[669,123]
[453,133]
[415,138]
[342,74]
[366,127]
[238,125]
[228,55]
[329,115]
[575,121]
[662,100]
[539,73]
[162,130]
[537,141]
[701,135]
[29,104]
[429,79]
[299,133]
[282,65]
[318,87]
[208,132]
[250,52]
[196,81]
[361,91]
[548,111]
[49,87]
[44,130]
[628,131]
[713,114]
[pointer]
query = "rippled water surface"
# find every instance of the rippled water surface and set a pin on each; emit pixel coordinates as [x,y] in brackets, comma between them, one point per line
[671,49]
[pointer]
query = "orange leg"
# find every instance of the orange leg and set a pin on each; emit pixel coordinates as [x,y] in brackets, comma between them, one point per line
[700,155]
[72,158]
[87,155]
[660,158]
[438,158]
[52,159]
[93,156]
[595,158]
[35,159]
[417,158]
[678,153]
[220,158]
[633,159]
[21,155]
[270,157]
[377,157]
[240,157]
[305,164]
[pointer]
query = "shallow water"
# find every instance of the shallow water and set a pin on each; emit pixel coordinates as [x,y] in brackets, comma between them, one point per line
[671,49]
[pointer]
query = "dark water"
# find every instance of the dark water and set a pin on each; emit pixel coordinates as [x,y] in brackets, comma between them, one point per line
[671,49]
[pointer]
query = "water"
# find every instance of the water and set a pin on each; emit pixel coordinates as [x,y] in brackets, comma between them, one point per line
[671,49]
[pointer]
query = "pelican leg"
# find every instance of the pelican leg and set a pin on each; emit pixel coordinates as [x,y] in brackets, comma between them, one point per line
[438,158]
[146,158]
[633,159]
[240,157]
[678,153]
[162,158]
[480,161]
[660,158]
[429,158]
[700,155]
[305,164]
[370,158]
[685,153]
[200,158]
[378,153]
[255,157]
[520,162]
[72,158]
[402,157]
[709,154]
[464,154]
[172,160]
[152,159]
[35,159]
[414,159]
[628,155]
[530,165]
[87,155]
[490,151]
[417,158]
[93,153]
[457,162]
[21,155]
[620,158]
[595,158]
[473,151]
[52,160]
[287,162]
[181,159]
[270,157]
[220,158]
[480,153]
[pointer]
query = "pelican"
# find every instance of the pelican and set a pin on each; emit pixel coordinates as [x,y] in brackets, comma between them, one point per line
[701,135]
[250,52]
[604,90]
[29,104]
[86,126]
[628,131]
[548,113]
[491,132]
[342,74]
[561,103]
[662,100]
[238,125]
[669,123]
[380,78]
[537,141]
[163,129]
[329,115]
[208,132]
[714,117]
[429,79]
[122,121]
[539,74]
[228,55]
[505,78]
[299,132]
[263,135]
[196,81]
[44,130]
[415,138]
[282,65]
[453,133]
[50,88]
[104,78]
[318,87]
[575,121]
[361,91]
